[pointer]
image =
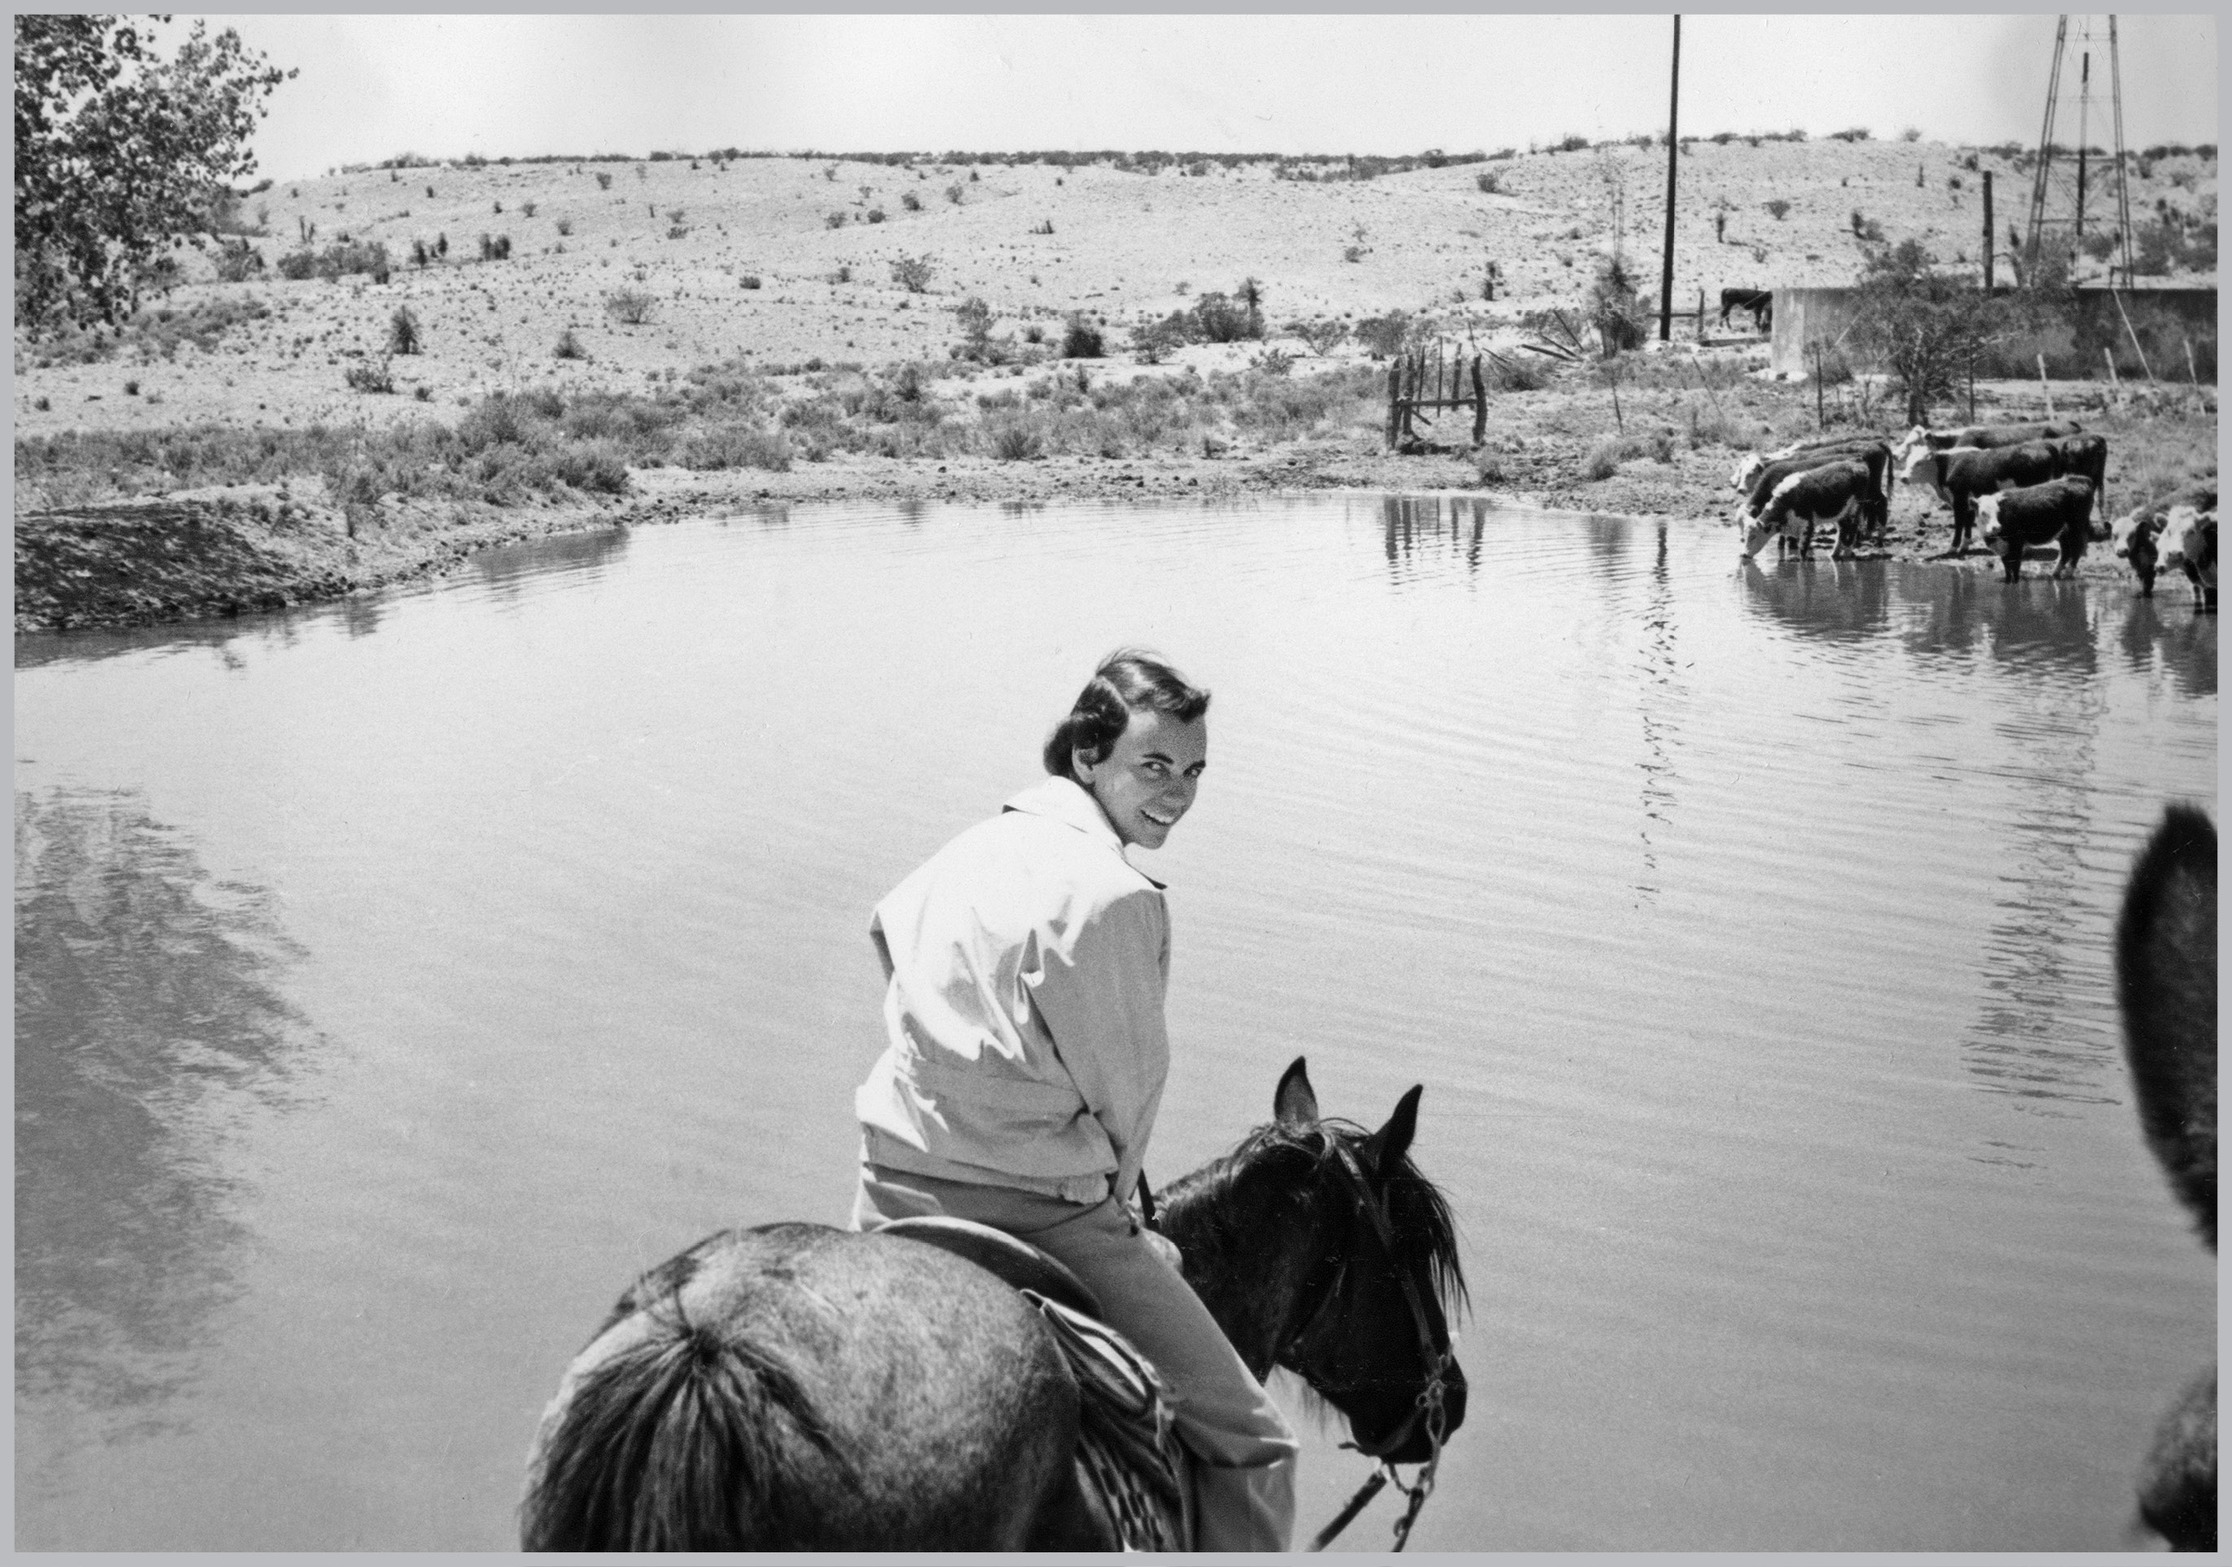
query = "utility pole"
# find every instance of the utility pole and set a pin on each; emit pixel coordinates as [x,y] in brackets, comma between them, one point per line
[1987,233]
[1673,148]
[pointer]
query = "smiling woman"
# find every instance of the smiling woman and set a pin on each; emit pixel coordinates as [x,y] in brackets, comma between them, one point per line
[1026,963]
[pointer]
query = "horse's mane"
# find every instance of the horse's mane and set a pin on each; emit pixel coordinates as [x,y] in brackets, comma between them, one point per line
[675,1443]
[1417,1211]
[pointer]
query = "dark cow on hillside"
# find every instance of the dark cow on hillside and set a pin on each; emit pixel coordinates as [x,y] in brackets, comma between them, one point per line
[1960,475]
[1984,437]
[2032,515]
[1841,494]
[2085,457]
[1874,514]
[1759,301]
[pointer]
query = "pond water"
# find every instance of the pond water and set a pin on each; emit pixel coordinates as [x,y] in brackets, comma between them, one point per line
[395,979]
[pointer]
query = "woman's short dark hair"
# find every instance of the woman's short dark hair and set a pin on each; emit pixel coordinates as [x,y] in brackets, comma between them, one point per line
[1130,680]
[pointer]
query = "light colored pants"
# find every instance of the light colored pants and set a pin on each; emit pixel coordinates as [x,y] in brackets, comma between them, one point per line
[1244,1451]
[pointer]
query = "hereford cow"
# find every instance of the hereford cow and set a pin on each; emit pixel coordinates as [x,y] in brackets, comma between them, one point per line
[2138,535]
[1840,494]
[2028,516]
[2189,543]
[1875,455]
[1984,437]
[1960,475]
[1747,472]
[2085,457]
[1759,301]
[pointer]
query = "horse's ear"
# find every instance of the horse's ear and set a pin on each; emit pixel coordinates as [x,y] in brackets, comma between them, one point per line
[1295,1101]
[1384,1149]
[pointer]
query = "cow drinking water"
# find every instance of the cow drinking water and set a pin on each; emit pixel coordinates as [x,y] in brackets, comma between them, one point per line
[1840,494]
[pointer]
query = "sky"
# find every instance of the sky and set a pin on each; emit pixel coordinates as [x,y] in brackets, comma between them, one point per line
[372,87]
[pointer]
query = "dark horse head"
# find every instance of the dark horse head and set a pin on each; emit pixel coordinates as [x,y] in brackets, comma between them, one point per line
[2166,948]
[1319,1246]
[793,1387]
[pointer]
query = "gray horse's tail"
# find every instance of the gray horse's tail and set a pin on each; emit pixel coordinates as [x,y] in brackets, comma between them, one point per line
[684,1441]
[2166,984]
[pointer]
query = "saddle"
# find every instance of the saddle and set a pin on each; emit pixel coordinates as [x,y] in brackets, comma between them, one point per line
[1128,1456]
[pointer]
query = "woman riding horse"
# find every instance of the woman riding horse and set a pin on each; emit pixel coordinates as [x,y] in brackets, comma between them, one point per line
[1025,964]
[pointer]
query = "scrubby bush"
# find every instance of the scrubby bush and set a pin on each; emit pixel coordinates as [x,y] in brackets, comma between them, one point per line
[1018,439]
[913,273]
[749,280]
[569,346]
[1081,339]
[735,446]
[369,378]
[403,331]
[1490,182]
[1778,209]
[1569,144]
[604,182]
[630,305]
[1384,336]
[1856,134]
[237,261]
[495,248]
[875,214]
[1321,336]
[910,201]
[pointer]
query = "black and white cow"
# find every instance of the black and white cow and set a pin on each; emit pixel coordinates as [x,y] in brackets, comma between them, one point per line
[1841,494]
[2056,512]
[2189,543]
[2138,535]
[1753,464]
[2086,457]
[1960,475]
[1759,301]
[1984,437]
[1875,456]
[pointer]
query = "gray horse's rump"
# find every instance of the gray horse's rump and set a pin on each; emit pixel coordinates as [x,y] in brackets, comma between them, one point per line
[861,1391]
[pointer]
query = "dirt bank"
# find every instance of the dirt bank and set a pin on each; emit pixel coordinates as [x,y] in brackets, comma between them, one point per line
[203,554]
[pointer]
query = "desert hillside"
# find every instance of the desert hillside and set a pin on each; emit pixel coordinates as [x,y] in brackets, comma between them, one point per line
[1036,242]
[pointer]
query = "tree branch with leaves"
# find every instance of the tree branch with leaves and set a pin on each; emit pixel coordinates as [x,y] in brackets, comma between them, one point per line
[121,155]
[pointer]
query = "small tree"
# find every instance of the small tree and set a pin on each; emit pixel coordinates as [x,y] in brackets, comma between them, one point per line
[975,317]
[120,155]
[913,273]
[1614,309]
[1926,327]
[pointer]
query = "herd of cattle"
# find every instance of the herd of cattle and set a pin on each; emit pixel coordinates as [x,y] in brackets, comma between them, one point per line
[2014,486]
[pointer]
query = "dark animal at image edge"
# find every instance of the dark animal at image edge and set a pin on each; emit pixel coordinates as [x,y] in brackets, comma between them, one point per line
[2166,988]
[796,1387]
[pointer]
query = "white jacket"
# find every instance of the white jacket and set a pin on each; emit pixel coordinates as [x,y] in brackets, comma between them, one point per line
[1026,964]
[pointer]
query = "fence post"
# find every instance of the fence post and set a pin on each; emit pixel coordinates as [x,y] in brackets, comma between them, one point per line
[1480,401]
[2192,374]
[1394,399]
[2043,387]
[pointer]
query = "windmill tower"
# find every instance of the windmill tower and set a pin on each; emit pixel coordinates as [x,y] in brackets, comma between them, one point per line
[2080,205]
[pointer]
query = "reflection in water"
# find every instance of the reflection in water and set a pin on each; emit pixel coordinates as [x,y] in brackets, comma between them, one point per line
[1838,600]
[1661,684]
[1951,615]
[2031,1038]
[510,568]
[1408,521]
[2174,639]
[143,991]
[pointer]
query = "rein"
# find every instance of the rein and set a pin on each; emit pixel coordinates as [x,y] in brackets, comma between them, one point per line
[1430,1405]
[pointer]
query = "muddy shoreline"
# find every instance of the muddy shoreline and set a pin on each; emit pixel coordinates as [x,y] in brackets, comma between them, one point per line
[211,554]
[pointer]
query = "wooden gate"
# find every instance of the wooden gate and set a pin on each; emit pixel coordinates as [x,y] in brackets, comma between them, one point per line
[1426,381]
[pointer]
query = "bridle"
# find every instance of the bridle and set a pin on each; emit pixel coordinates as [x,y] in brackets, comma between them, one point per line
[1430,1406]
